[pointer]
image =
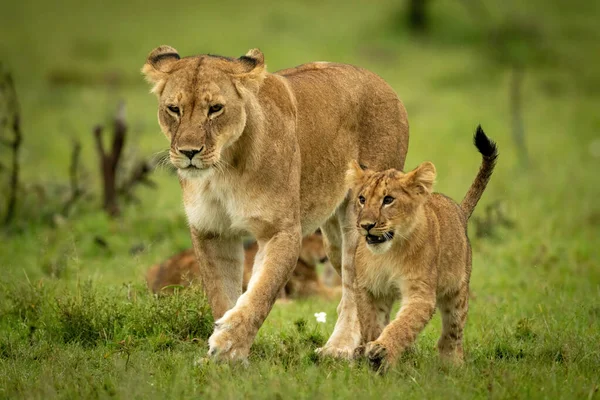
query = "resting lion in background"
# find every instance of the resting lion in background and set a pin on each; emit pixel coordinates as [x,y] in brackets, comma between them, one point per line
[182,270]
[254,151]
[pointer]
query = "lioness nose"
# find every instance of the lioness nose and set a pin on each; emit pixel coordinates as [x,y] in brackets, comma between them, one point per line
[190,153]
[367,226]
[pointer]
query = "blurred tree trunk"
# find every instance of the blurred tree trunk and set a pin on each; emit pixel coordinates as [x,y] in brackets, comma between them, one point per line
[418,19]
[76,189]
[110,165]
[8,91]
[109,161]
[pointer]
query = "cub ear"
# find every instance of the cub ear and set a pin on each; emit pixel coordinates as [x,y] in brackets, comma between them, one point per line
[158,65]
[423,178]
[354,175]
[254,71]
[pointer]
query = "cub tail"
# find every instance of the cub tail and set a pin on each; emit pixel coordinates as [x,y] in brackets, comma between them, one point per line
[489,154]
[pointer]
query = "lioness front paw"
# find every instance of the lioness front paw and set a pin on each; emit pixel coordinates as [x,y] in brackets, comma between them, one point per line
[232,338]
[342,343]
[343,353]
[378,356]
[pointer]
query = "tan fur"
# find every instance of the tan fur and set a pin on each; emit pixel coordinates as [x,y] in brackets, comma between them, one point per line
[305,280]
[276,143]
[182,270]
[426,262]
[179,270]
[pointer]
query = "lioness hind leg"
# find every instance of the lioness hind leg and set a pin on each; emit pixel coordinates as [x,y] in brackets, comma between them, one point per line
[332,241]
[454,308]
[346,334]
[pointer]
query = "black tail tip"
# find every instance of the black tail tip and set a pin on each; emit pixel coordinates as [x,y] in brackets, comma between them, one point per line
[485,145]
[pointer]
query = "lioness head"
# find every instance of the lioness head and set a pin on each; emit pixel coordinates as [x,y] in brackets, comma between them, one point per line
[387,203]
[203,102]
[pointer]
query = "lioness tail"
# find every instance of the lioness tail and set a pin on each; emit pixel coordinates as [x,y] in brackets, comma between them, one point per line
[489,153]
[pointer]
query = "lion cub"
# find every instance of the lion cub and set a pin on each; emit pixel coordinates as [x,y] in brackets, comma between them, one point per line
[416,248]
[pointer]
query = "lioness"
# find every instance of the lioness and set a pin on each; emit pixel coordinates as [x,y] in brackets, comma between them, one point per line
[254,151]
[415,247]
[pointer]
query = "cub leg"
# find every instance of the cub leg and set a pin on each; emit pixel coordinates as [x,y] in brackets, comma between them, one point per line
[454,308]
[221,270]
[373,315]
[418,306]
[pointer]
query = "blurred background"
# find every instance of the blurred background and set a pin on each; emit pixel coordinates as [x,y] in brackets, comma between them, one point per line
[527,71]
[86,208]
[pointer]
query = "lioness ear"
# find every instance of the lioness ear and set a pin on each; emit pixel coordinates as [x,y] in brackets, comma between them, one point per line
[254,58]
[423,178]
[354,175]
[254,71]
[158,64]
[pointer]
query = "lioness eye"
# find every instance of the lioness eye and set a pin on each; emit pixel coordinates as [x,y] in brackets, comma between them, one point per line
[361,199]
[174,109]
[388,200]
[215,108]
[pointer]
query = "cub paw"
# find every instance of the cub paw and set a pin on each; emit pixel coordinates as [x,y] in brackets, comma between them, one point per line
[378,356]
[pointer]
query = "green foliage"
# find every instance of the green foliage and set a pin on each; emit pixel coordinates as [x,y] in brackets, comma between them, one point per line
[90,317]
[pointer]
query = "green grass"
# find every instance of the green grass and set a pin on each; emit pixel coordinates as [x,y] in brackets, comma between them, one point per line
[75,318]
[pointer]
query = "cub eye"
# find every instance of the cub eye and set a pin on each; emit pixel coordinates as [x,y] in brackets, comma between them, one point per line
[361,199]
[388,200]
[174,109]
[215,108]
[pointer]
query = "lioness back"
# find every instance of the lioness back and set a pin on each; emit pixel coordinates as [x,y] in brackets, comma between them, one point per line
[348,113]
[352,99]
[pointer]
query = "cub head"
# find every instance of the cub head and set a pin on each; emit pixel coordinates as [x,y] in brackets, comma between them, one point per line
[203,103]
[387,203]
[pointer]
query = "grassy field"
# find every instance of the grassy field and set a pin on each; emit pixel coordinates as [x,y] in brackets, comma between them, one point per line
[76,320]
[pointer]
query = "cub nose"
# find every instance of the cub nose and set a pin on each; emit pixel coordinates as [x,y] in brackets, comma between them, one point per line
[367,226]
[190,153]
